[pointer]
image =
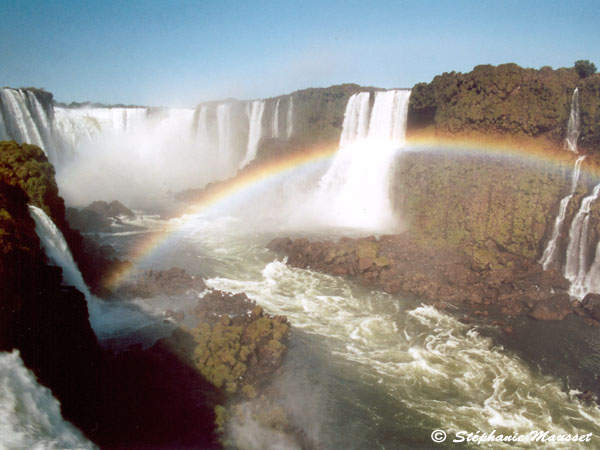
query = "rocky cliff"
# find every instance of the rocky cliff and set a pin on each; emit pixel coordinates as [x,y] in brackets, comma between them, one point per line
[450,199]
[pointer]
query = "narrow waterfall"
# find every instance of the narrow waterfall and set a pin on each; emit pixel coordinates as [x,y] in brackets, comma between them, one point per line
[254,111]
[275,123]
[356,119]
[574,125]
[355,190]
[107,319]
[550,251]
[57,251]
[290,118]
[30,414]
[576,267]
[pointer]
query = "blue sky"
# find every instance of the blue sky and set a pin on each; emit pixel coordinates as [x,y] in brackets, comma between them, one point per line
[182,52]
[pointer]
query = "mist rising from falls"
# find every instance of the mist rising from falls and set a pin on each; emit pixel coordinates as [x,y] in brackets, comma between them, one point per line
[355,190]
[30,416]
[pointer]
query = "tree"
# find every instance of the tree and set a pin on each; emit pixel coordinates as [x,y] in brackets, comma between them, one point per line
[585,68]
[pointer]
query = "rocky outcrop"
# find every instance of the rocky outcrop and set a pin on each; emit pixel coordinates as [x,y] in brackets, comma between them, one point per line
[506,100]
[152,283]
[237,345]
[439,275]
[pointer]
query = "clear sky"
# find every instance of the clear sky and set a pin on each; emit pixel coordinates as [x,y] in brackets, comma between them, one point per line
[182,52]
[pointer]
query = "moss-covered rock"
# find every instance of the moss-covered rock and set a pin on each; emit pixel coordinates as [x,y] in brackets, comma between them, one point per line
[237,345]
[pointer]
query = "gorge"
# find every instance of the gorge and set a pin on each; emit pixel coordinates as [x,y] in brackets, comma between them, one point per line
[427,228]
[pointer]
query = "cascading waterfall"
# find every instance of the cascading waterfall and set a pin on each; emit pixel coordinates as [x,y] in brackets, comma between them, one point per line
[30,415]
[354,191]
[254,111]
[574,125]
[275,123]
[550,252]
[136,153]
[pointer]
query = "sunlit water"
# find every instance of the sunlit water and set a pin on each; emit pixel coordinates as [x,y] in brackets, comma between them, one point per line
[381,371]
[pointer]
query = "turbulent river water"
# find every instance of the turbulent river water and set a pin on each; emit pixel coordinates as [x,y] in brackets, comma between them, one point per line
[370,370]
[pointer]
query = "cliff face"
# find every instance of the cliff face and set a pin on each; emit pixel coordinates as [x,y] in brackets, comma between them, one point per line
[506,100]
[467,201]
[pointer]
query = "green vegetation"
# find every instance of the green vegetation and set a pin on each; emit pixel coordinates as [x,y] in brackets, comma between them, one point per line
[584,68]
[506,100]
[27,167]
[227,353]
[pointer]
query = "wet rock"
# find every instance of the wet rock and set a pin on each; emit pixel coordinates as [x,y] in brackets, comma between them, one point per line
[152,283]
[556,307]
[591,303]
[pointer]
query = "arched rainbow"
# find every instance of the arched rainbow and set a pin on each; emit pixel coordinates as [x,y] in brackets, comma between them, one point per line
[262,172]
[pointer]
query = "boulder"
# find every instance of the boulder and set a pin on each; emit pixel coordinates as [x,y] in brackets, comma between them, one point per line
[556,307]
[591,303]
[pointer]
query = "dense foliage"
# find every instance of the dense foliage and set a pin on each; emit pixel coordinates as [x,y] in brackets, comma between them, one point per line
[506,99]
[585,68]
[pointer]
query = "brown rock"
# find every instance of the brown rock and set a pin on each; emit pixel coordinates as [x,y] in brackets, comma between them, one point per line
[556,307]
[591,303]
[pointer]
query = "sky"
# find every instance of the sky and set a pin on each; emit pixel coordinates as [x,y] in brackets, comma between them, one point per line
[180,53]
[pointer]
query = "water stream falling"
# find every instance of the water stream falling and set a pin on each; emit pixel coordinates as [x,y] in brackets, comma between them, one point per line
[254,111]
[550,252]
[577,264]
[275,122]
[355,189]
[574,125]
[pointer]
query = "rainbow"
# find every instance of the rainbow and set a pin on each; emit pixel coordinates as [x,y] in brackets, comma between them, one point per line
[259,173]
[214,195]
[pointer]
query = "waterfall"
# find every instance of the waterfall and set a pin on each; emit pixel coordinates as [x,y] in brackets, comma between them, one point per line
[254,111]
[30,415]
[275,123]
[578,248]
[108,319]
[550,250]
[574,125]
[354,191]
[356,119]
[290,118]
[57,251]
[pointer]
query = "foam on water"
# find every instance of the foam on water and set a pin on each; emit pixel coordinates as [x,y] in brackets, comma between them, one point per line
[30,416]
